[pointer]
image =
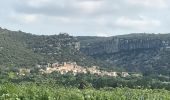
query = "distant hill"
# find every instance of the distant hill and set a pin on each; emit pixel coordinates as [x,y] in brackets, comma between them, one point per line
[146,53]
[13,50]
[21,49]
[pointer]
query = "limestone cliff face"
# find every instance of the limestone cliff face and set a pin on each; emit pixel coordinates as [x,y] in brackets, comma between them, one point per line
[146,43]
[122,44]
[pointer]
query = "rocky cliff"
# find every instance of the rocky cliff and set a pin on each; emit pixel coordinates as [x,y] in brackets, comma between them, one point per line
[117,44]
[146,53]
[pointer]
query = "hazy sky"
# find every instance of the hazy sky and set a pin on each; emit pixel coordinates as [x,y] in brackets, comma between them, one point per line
[86,17]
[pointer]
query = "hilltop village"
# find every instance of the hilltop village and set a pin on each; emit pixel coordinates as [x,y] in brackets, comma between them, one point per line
[75,69]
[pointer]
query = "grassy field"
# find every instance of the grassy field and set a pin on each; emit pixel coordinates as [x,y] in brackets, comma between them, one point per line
[45,92]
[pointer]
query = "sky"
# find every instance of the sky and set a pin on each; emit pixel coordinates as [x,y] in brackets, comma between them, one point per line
[86,17]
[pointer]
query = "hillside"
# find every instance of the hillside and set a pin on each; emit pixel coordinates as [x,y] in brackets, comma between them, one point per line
[21,49]
[13,51]
[146,53]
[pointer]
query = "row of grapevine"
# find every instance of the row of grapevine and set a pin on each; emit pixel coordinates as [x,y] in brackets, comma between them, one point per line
[43,92]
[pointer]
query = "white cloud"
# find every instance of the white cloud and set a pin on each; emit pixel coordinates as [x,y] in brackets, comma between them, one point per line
[37,3]
[150,3]
[103,34]
[25,18]
[142,23]
[88,6]
[30,18]
[65,20]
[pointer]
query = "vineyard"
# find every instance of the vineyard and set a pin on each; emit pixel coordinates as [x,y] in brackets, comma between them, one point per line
[32,91]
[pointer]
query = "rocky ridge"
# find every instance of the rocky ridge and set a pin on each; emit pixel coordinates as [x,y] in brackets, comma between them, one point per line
[122,43]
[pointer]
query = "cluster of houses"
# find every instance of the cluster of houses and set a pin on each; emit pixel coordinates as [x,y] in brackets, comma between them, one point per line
[75,69]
